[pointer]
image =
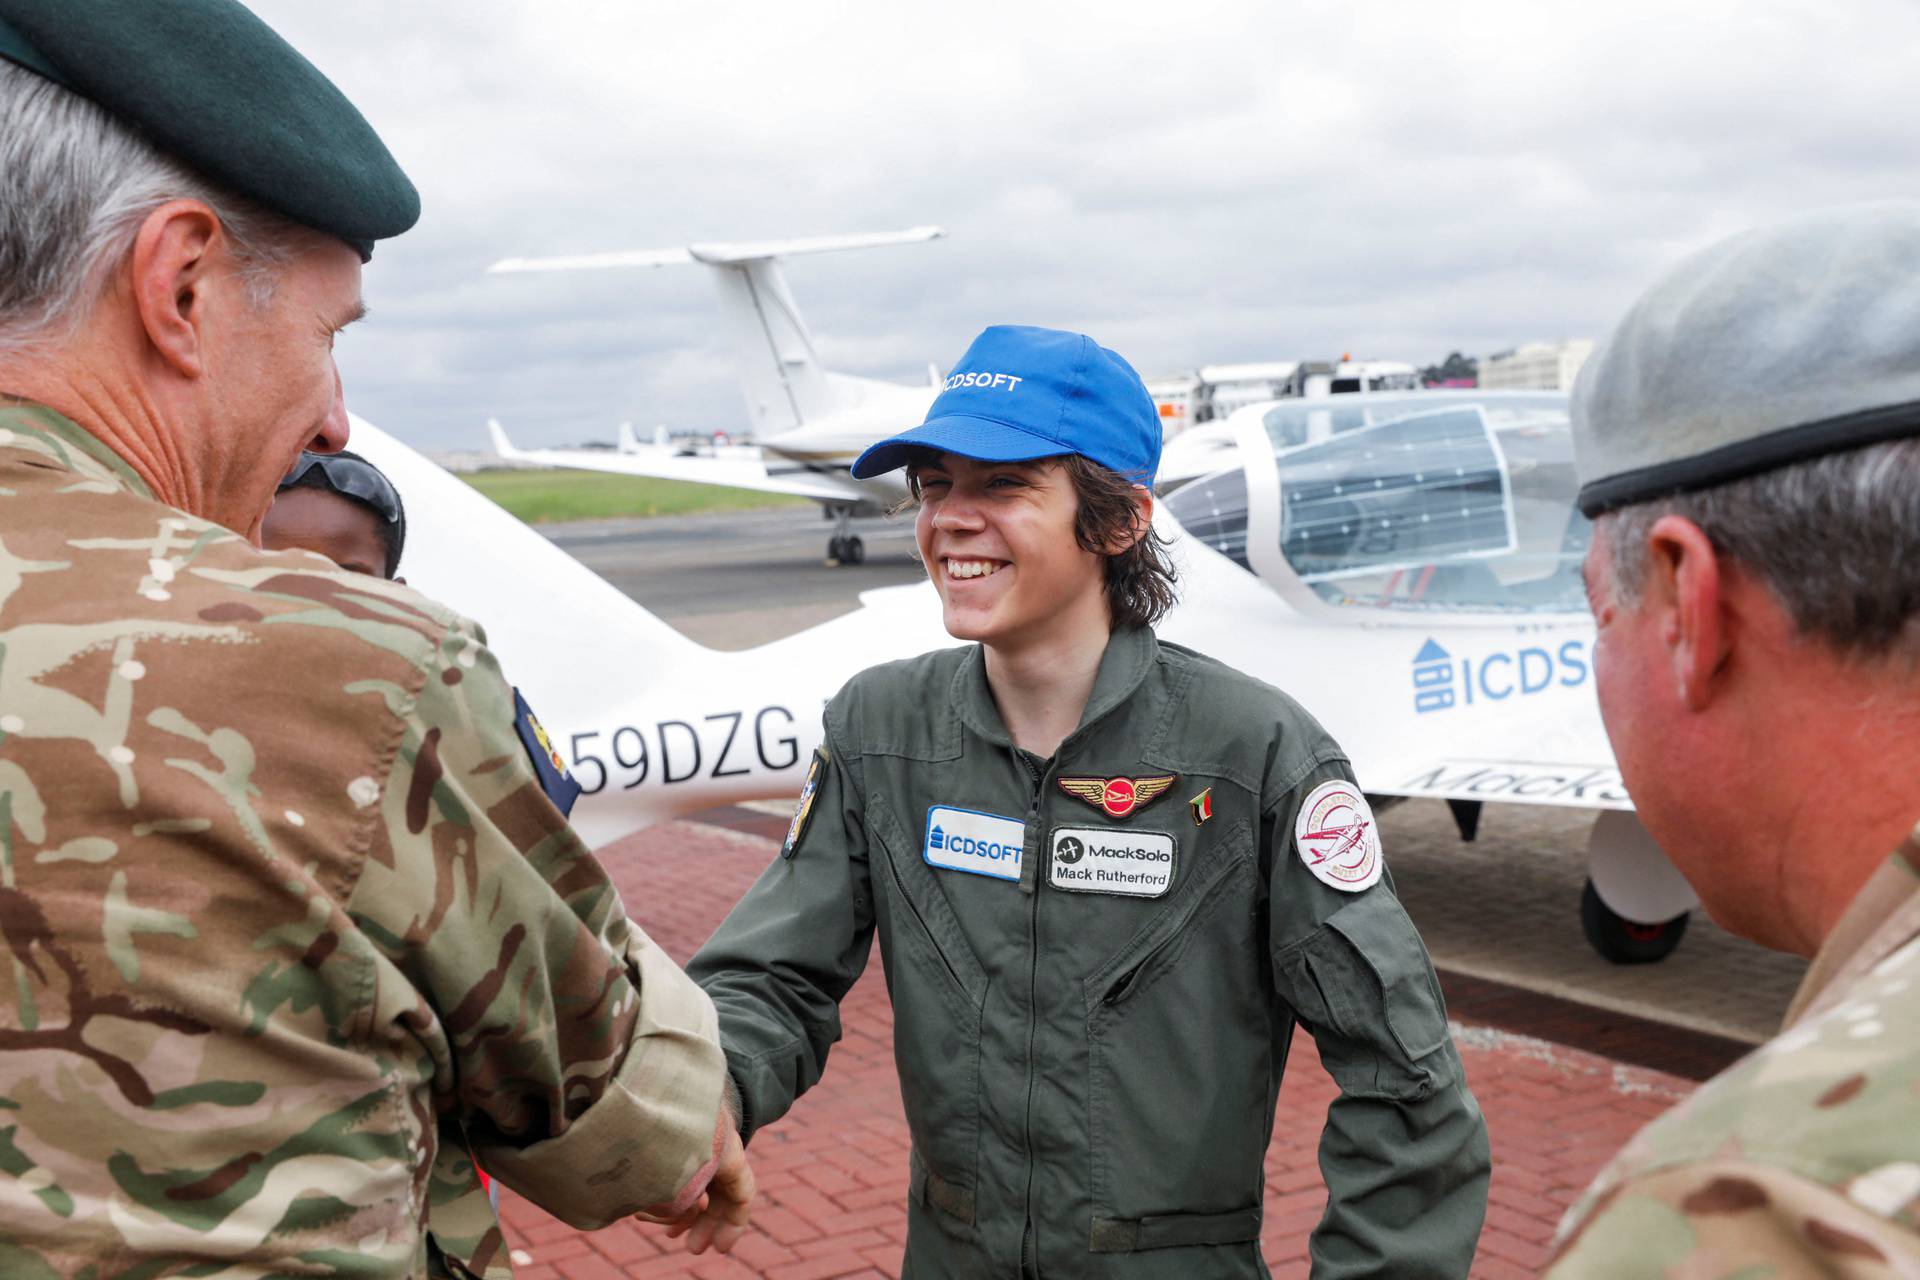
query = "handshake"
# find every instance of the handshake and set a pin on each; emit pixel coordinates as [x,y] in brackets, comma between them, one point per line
[711,1211]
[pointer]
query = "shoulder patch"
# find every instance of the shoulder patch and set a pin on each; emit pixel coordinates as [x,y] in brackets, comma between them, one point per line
[1337,837]
[547,764]
[803,808]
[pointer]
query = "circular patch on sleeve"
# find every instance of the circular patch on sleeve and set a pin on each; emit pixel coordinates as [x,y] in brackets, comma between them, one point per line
[1337,837]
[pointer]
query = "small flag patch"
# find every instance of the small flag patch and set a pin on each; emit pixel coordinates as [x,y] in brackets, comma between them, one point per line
[1202,806]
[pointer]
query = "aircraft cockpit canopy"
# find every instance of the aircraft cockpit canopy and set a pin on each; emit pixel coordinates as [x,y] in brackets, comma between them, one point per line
[1430,501]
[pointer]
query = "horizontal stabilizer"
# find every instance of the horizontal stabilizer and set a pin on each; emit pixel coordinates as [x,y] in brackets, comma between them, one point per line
[719,254]
[754,250]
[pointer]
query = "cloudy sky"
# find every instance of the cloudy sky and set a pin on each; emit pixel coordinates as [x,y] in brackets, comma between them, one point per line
[1190,180]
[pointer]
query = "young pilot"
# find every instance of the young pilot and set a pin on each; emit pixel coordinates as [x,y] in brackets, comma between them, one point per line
[1109,875]
[343,507]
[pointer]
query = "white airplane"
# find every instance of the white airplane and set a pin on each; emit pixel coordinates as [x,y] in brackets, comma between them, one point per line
[808,423]
[1406,565]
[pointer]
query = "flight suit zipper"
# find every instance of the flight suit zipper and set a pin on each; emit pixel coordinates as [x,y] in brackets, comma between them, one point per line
[1030,873]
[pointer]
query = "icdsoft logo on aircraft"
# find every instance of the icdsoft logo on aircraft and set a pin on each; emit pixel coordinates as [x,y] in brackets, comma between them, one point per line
[1442,681]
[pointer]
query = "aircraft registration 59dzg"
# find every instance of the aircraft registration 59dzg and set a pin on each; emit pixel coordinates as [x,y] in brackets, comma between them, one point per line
[1405,565]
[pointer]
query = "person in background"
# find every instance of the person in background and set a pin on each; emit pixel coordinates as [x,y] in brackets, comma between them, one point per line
[342,507]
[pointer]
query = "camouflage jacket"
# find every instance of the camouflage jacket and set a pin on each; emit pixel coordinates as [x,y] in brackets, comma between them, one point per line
[288,919]
[1804,1157]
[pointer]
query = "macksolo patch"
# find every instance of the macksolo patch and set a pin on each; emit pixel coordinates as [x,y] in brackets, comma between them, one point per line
[1118,797]
[803,808]
[1134,864]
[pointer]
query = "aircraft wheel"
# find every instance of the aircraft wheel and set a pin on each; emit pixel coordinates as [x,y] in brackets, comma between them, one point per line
[854,551]
[1624,941]
[837,550]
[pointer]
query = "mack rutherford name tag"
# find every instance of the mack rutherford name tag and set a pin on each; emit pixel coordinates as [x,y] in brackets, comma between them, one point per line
[1138,864]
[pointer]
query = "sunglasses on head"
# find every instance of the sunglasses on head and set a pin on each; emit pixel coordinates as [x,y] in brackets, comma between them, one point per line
[352,478]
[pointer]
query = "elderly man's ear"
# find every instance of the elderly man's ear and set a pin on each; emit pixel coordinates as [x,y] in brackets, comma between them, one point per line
[171,268]
[1695,605]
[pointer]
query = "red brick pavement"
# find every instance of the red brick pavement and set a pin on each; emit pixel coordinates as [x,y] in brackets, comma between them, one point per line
[833,1173]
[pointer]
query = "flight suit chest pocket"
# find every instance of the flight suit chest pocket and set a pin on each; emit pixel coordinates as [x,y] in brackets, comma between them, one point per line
[939,989]
[1179,1064]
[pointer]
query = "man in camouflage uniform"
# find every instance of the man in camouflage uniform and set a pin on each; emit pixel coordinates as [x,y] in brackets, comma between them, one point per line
[1747,440]
[294,930]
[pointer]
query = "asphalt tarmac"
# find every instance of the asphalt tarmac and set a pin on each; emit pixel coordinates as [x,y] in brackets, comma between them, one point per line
[1504,909]
[739,580]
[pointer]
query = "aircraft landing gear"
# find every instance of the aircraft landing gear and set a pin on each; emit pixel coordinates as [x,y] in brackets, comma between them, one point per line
[1621,940]
[1636,904]
[845,546]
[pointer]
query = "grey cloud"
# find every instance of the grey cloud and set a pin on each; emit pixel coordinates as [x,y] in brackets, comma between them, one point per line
[1192,183]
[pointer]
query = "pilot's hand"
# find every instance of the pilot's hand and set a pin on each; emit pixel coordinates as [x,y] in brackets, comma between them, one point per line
[712,1209]
[722,1216]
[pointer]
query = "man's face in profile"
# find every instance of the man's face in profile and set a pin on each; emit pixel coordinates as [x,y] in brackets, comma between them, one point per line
[319,520]
[272,388]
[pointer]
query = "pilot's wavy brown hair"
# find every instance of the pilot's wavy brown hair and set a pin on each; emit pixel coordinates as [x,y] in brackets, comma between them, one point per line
[1141,581]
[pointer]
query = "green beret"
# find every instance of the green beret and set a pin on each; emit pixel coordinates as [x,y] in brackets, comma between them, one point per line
[214,87]
[1769,348]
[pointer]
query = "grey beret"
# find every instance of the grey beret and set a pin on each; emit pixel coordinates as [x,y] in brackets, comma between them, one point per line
[213,86]
[1771,347]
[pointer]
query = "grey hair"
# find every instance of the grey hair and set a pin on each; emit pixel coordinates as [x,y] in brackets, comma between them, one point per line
[1836,538]
[78,184]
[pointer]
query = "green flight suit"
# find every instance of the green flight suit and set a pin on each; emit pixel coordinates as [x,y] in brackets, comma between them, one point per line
[1089,1077]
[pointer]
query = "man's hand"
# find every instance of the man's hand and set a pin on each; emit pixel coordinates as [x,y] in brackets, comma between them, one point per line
[712,1209]
[721,1218]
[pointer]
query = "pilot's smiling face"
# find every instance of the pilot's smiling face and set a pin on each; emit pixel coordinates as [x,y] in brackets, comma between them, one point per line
[998,541]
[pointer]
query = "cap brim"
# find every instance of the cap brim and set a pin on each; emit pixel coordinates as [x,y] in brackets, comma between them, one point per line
[979,438]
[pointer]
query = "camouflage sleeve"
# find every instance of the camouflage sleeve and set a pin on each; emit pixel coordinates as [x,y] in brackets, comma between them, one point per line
[583,1064]
[1736,1218]
[1404,1151]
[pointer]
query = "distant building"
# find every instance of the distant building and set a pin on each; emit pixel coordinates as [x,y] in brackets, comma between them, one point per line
[1234,386]
[1181,401]
[1536,366]
[466,461]
[1214,391]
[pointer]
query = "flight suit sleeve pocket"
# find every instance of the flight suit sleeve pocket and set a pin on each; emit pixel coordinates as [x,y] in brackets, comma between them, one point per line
[1389,978]
[1363,985]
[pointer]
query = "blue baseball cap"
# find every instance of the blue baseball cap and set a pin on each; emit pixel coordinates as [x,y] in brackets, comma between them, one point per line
[1022,393]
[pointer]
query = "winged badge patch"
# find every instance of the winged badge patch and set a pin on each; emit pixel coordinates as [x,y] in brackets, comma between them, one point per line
[1118,797]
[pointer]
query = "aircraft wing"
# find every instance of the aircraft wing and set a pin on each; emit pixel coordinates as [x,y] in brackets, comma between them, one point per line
[741,468]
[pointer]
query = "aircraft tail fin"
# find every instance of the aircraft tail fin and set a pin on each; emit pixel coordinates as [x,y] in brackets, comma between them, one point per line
[627,442]
[550,617]
[784,381]
[501,445]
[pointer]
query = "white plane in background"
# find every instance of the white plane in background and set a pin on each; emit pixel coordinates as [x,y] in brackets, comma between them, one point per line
[1405,565]
[807,423]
